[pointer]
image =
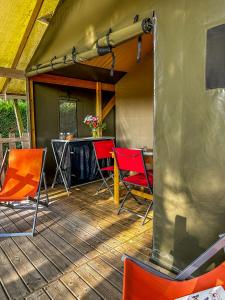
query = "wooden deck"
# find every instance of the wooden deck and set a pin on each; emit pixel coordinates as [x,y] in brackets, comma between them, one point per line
[77,251]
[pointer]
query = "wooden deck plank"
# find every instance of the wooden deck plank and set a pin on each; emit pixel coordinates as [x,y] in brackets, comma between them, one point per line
[79,287]
[108,272]
[31,277]
[60,244]
[28,273]
[51,252]
[106,210]
[70,238]
[97,282]
[102,211]
[110,226]
[113,258]
[82,234]
[77,249]
[3,295]
[110,230]
[40,261]
[38,295]
[75,218]
[58,291]
[10,279]
[130,250]
[109,210]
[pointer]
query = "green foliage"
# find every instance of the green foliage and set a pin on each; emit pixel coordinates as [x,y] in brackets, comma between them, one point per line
[8,118]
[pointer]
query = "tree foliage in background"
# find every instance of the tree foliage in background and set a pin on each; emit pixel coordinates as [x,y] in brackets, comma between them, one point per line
[8,118]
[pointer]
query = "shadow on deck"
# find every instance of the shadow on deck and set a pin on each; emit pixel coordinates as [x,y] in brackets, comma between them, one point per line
[77,251]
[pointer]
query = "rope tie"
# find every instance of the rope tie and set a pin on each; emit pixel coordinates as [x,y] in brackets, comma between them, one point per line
[51,61]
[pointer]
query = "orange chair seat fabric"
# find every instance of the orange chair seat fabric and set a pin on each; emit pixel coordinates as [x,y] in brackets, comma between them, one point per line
[22,175]
[140,284]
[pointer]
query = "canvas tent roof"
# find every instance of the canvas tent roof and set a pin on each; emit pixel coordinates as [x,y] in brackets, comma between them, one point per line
[83,24]
[20,33]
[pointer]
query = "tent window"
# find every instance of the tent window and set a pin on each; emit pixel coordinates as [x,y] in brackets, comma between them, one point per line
[68,116]
[215,57]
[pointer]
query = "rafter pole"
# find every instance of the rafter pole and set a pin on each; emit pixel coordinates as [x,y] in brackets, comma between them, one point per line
[12,73]
[23,42]
[19,120]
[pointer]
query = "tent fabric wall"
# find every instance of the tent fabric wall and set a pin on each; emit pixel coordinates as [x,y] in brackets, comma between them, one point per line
[189,152]
[47,115]
[134,106]
[189,122]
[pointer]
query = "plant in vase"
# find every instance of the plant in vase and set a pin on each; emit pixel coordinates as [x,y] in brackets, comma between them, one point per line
[94,124]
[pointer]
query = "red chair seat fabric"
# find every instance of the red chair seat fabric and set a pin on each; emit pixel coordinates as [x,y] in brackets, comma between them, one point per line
[103,149]
[140,179]
[109,168]
[142,285]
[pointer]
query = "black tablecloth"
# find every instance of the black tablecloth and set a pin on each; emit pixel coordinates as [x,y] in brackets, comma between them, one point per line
[79,163]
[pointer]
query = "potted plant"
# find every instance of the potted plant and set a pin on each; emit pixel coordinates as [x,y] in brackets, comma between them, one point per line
[94,124]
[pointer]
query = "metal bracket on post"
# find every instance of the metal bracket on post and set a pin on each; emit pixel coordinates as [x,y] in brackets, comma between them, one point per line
[74,54]
[147,25]
[106,50]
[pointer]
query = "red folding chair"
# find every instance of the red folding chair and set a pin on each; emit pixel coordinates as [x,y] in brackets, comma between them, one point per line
[103,152]
[132,160]
[141,281]
[23,179]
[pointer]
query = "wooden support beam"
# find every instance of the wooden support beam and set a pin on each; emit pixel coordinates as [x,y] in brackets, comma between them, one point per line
[32,113]
[12,73]
[12,139]
[13,96]
[108,107]
[19,120]
[23,42]
[60,80]
[99,104]
[142,194]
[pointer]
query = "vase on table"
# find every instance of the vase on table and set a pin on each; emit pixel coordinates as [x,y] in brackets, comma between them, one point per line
[94,133]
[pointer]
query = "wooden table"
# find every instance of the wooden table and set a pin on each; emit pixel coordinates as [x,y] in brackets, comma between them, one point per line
[117,183]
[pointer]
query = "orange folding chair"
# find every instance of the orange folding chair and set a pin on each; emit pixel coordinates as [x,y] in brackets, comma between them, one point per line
[143,282]
[23,179]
